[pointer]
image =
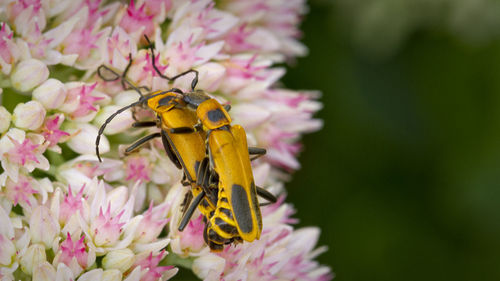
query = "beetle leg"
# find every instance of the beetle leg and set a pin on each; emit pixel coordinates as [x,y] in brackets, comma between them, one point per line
[266,195]
[186,202]
[185,181]
[141,142]
[143,124]
[258,151]
[190,211]
[169,150]
[187,130]
[201,173]
[182,130]
[204,179]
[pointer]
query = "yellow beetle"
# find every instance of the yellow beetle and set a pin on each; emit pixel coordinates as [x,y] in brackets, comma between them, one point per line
[228,214]
[229,157]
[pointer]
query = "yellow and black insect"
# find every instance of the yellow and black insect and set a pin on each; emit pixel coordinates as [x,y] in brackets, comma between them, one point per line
[229,156]
[230,215]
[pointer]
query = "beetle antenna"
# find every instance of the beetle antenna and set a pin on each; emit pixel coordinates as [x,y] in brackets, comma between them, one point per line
[194,82]
[117,76]
[108,120]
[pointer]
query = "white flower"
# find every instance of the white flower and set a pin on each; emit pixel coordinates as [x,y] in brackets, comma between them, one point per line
[34,256]
[28,74]
[29,115]
[121,259]
[19,149]
[83,140]
[5,118]
[44,228]
[51,93]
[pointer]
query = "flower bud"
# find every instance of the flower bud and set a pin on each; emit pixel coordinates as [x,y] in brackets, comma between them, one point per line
[121,259]
[5,118]
[204,264]
[33,256]
[29,115]
[8,250]
[29,74]
[52,93]
[44,272]
[111,275]
[43,227]
[84,138]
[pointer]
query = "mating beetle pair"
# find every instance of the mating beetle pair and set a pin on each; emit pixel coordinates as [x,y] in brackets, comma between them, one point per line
[198,137]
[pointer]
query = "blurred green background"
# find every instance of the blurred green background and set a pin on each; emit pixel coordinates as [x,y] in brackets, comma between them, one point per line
[404,178]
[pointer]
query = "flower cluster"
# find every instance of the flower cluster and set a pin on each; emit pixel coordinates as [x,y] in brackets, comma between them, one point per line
[64,215]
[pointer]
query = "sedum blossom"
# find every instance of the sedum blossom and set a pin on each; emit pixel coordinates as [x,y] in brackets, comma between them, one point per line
[67,216]
[29,116]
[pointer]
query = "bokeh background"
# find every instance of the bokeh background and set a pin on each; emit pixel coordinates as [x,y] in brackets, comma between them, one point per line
[404,179]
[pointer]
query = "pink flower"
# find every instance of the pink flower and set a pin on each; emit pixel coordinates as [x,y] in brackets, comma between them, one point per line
[22,5]
[277,21]
[51,131]
[71,205]
[152,223]
[43,227]
[237,39]
[74,254]
[27,15]
[73,249]
[38,43]
[280,254]
[149,267]
[20,191]
[137,169]
[106,229]
[246,68]
[118,47]
[202,14]
[22,152]
[80,101]
[137,19]
[192,236]
[154,7]
[8,50]
[95,12]
[81,42]
[148,68]
[182,54]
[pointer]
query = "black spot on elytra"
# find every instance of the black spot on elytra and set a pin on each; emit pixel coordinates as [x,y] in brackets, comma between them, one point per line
[241,208]
[215,115]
